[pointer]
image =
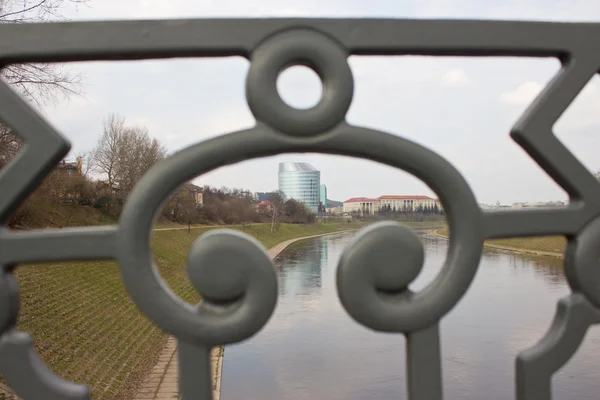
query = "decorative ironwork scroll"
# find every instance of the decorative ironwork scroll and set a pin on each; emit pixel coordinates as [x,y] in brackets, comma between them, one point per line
[231,270]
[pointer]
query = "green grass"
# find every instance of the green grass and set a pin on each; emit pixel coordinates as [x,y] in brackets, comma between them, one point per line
[552,244]
[62,215]
[425,224]
[88,330]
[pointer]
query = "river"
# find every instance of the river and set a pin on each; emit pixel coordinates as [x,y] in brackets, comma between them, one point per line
[311,349]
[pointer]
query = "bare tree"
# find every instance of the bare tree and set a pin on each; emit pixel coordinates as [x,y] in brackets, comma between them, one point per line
[277,202]
[241,208]
[105,156]
[185,209]
[21,11]
[124,154]
[39,83]
[137,154]
[10,145]
[297,212]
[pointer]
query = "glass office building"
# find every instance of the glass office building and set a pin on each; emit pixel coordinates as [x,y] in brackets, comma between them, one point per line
[323,196]
[301,182]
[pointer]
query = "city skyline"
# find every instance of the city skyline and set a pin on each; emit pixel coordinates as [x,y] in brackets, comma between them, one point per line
[460,108]
[431,194]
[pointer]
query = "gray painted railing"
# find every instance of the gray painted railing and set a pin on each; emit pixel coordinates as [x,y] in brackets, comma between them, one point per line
[374,272]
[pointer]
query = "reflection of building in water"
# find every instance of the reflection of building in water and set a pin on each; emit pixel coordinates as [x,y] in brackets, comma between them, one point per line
[301,268]
[324,252]
[312,268]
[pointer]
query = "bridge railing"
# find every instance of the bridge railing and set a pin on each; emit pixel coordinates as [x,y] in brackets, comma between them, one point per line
[236,312]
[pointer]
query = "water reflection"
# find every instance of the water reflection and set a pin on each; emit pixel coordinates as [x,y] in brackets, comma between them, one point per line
[311,348]
[301,267]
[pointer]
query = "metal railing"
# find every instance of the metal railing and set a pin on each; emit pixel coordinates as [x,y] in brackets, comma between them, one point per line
[235,312]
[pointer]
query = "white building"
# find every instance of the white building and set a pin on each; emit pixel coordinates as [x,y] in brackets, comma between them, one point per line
[398,203]
[335,210]
[538,204]
[361,204]
[497,205]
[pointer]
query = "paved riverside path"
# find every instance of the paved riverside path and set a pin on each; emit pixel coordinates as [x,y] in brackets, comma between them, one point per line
[163,380]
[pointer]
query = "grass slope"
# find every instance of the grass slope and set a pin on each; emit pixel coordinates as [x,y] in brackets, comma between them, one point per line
[62,215]
[552,244]
[86,327]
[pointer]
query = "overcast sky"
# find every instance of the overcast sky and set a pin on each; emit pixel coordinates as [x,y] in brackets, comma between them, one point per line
[461,108]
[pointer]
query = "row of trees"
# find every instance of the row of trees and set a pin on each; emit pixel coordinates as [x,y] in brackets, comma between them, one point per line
[388,210]
[419,213]
[235,206]
[121,157]
[288,210]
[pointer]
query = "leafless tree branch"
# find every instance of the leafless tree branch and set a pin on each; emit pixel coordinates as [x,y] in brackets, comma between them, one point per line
[124,154]
[19,11]
[39,83]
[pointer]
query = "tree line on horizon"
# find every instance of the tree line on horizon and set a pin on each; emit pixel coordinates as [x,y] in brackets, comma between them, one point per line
[388,210]
[122,155]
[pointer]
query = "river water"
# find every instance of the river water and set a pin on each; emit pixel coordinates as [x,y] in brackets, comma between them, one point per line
[311,349]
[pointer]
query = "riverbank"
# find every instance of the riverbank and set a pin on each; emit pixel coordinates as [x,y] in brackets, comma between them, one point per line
[550,246]
[162,382]
[88,330]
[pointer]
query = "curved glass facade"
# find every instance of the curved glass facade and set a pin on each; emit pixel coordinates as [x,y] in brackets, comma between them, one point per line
[302,182]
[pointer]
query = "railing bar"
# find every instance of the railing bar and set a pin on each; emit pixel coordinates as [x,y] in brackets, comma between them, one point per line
[423,364]
[536,365]
[533,131]
[46,245]
[27,373]
[195,378]
[513,223]
[43,148]
[227,37]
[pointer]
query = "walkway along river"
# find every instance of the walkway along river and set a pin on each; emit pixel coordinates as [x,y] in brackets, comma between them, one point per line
[311,349]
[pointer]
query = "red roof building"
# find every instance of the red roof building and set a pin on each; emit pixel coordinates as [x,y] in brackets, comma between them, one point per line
[359,199]
[394,197]
[368,205]
[264,206]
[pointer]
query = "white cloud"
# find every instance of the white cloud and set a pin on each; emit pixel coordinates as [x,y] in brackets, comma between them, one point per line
[522,95]
[584,111]
[456,77]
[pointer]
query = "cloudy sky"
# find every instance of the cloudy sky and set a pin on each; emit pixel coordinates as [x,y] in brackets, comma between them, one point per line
[461,108]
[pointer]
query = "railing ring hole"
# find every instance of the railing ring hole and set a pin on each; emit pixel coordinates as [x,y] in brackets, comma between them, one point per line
[300,87]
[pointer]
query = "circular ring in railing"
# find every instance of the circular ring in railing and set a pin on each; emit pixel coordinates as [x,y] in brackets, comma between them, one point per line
[582,266]
[299,47]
